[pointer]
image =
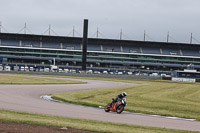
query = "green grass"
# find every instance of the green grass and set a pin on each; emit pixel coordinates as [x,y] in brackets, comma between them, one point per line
[82,124]
[150,97]
[13,79]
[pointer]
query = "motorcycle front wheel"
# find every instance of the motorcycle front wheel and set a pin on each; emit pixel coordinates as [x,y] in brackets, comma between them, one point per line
[120,109]
[107,109]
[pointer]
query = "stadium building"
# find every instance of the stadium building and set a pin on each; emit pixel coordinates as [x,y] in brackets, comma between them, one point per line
[40,51]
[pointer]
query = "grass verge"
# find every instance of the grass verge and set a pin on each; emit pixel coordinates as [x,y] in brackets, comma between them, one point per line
[14,79]
[82,124]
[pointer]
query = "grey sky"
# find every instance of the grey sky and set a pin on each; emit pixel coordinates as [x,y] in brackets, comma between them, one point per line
[156,17]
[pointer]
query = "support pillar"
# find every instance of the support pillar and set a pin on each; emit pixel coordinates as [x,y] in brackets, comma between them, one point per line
[84,43]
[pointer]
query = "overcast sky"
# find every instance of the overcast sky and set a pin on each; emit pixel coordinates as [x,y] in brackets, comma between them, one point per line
[156,17]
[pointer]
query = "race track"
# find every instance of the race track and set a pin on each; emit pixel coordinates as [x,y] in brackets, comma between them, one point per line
[26,98]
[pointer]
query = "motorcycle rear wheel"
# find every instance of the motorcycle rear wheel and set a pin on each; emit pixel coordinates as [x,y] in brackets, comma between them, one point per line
[120,109]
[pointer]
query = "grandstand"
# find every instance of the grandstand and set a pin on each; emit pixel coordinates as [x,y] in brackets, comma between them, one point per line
[39,51]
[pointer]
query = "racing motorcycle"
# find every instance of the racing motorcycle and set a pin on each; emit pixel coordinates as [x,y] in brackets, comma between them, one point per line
[117,106]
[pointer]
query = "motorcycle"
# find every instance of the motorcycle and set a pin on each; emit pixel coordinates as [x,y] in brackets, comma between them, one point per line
[117,106]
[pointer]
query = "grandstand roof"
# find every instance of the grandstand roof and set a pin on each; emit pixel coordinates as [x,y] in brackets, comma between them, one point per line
[64,39]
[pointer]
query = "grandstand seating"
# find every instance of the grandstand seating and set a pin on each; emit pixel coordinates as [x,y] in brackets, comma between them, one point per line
[193,52]
[131,49]
[172,65]
[31,44]
[94,47]
[150,50]
[111,61]
[51,45]
[170,51]
[5,42]
[111,48]
[72,46]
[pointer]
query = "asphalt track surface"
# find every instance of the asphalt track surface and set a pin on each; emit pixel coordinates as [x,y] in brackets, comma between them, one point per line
[26,98]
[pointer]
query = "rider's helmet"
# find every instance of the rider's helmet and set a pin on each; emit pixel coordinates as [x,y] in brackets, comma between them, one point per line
[124,94]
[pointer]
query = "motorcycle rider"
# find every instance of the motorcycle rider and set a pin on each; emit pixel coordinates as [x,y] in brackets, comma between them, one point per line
[118,98]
